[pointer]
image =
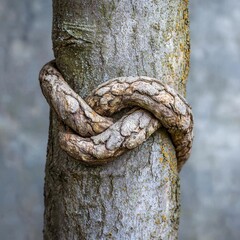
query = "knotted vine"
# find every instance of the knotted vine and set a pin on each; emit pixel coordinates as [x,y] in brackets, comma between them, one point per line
[89,134]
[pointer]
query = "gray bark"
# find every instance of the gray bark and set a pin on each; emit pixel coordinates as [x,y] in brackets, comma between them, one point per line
[137,195]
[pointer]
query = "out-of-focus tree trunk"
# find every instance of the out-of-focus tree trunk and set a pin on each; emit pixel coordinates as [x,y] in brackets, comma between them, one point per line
[137,195]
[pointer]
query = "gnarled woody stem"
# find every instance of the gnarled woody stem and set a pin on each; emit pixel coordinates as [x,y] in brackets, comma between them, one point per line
[168,108]
[69,106]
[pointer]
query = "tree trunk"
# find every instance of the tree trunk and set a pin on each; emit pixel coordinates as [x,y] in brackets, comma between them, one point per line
[137,195]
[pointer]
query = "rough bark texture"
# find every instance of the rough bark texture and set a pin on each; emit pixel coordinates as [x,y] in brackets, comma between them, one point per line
[136,196]
[161,106]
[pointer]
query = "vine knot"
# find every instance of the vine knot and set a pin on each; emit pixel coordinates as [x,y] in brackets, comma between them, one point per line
[89,134]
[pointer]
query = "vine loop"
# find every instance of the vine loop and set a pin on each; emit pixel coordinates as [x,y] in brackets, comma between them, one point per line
[94,138]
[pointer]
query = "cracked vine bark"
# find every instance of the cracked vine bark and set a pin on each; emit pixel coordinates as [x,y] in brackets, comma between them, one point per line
[137,195]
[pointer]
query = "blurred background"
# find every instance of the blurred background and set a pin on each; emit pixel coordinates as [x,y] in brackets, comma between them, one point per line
[210,181]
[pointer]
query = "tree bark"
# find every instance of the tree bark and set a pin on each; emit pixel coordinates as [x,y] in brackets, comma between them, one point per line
[137,195]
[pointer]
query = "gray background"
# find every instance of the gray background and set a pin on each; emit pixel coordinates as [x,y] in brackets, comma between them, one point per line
[210,180]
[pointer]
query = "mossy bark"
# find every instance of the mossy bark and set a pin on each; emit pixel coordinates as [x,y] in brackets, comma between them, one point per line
[137,195]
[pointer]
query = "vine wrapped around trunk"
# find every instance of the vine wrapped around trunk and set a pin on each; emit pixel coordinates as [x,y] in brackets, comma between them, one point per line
[137,195]
[170,108]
